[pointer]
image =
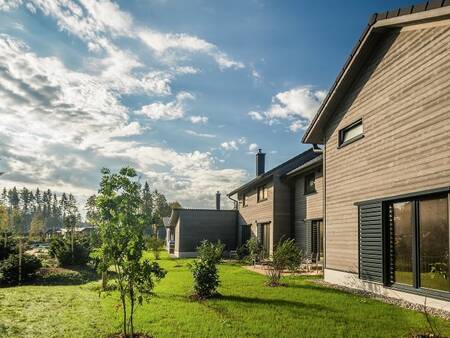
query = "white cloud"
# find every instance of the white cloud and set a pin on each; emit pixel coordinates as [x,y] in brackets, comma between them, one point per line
[95,22]
[194,133]
[167,111]
[233,144]
[198,119]
[230,145]
[252,148]
[298,125]
[256,116]
[300,103]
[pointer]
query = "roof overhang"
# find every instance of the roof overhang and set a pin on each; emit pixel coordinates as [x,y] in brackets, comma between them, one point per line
[378,24]
[308,166]
[251,184]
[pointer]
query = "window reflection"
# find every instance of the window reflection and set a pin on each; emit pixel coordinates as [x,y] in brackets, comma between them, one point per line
[402,213]
[434,244]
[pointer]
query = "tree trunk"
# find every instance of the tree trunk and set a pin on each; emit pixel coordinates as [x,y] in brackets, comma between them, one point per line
[131,312]
[20,260]
[124,306]
[5,243]
[104,279]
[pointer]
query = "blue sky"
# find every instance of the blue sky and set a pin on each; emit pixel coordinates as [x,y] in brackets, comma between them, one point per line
[185,91]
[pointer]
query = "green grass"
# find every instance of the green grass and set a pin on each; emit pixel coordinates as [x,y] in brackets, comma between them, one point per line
[246,308]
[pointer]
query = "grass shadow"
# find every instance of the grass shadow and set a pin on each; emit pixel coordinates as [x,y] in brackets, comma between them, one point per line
[75,275]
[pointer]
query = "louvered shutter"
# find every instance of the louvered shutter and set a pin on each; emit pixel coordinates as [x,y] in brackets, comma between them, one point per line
[371,258]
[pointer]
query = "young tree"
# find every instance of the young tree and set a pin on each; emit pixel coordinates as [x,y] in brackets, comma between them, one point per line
[286,256]
[92,215]
[4,223]
[121,229]
[37,226]
[72,218]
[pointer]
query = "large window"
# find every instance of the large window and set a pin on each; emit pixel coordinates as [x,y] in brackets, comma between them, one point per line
[420,238]
[351,133]
[310,183]
[262,193]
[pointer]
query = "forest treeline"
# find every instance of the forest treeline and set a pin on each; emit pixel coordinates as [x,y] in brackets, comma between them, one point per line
[23,210]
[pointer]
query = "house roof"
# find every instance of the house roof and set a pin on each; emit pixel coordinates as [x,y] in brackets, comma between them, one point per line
[377,25]
[178,212]
[166,221]
[281,169]
[304,167]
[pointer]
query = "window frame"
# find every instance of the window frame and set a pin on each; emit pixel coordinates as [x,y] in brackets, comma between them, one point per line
[416,287]
[306,185]
[244,200]
[263,188]
[341,142]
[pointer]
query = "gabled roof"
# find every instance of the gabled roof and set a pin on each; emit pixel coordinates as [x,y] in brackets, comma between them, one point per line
[179,212]
[315,162]
[378,24]
[281,169]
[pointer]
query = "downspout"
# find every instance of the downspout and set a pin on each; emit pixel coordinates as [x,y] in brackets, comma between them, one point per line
[236,204]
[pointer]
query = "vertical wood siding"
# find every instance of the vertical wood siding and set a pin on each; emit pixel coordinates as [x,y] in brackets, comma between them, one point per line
[403,97]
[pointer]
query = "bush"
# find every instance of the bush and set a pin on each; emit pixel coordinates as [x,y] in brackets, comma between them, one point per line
[11,248]
[61,249]
[286,256]
[242,252]
[206,278]
[210,252]
[204,270]
[155,245]
[9,269]
[255,250]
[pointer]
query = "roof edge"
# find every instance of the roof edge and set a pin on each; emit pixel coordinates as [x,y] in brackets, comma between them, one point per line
[430,10]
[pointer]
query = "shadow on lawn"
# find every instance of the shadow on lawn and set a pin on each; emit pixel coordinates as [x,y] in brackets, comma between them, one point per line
[272,302]
[65,276]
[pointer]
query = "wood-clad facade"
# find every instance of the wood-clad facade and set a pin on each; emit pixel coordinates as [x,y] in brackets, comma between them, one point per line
[403,99]
[397,90]
[286,202]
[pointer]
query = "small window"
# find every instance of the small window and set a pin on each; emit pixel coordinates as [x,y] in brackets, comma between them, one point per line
[351,133]
[244,200]
[262,193]
[310,183]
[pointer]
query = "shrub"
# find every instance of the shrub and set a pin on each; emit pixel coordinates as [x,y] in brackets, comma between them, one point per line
[254,249]
[155,245]
[10,248]
[210,252]
[61,249]
[9,269]
[242,252]
[204,270]
[286,256]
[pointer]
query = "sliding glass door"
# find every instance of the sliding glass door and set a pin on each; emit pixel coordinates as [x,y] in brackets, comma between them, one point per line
[420,242]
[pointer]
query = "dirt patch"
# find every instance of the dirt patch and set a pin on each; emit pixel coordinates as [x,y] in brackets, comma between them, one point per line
[136,335]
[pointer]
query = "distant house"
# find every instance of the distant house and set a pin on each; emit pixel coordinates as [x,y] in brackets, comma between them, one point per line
[385,127]
[284,202]
[187,228]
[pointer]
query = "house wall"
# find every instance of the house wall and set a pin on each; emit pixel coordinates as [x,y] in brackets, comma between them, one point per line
[195,226]
[403,97]
[307,207]
[256,212]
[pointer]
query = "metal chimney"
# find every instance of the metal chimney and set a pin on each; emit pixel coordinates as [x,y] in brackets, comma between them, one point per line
[260,162]
[218,200]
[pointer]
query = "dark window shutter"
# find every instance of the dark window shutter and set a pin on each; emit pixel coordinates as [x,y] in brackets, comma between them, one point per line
[371,258]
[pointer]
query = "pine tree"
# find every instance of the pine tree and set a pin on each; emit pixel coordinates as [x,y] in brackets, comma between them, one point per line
[37,226]
[147,208]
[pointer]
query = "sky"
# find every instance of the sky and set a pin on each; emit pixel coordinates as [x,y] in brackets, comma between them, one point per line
[183,91]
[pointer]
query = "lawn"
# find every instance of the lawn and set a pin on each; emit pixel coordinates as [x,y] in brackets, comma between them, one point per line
[246,308]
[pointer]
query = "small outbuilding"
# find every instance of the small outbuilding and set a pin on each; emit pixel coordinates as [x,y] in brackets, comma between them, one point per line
[187,228]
